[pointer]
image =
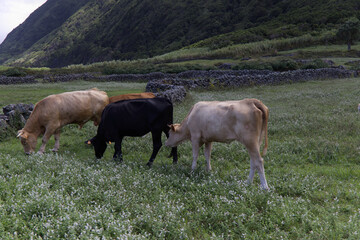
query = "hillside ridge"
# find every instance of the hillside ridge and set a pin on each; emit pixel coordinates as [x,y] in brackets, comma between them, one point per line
[64,32]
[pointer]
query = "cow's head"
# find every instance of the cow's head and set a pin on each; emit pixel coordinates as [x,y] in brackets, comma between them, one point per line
[99,146]
[176,136]
[28,141]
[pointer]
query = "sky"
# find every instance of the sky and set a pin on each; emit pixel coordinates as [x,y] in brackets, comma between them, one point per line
[14,12]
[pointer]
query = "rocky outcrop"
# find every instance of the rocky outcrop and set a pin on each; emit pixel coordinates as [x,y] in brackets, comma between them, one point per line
[172,92]
[15,116]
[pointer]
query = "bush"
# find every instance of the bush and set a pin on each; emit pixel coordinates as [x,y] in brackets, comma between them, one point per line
[284,65]
[315,64]
[15,72]
[354,65]
[253,65]
[281,65]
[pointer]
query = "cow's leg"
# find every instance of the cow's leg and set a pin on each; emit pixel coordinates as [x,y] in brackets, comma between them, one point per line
[57,140]
[156,137]
[118,153]
[173,152]
[207,152]
[195,150]
[256,164]
[45,139]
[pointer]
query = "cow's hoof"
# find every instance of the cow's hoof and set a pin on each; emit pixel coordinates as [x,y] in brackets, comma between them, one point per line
[149,164]
[54,150]
[117,160]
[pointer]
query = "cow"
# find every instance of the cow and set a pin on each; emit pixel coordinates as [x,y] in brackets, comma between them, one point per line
[126,97]
[134,118]
[55,111]
[131,96]
[244,121]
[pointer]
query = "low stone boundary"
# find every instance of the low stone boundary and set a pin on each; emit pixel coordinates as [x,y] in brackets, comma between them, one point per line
[173,86]
[16,80]
[15,116]
[276,78]
[105,78]
[169,85]
[172,92]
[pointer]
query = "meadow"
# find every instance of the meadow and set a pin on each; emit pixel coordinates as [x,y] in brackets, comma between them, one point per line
[312,168]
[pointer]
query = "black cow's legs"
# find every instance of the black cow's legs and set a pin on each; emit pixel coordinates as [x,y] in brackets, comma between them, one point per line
[174,155]
[156,137]
[118,153]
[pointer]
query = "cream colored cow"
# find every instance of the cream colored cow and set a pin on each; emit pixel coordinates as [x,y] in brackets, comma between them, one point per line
[244,121]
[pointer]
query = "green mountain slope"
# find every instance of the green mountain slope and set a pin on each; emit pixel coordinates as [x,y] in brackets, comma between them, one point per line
[39,24]
[64,32]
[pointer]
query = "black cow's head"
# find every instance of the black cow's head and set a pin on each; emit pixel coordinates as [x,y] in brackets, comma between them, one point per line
[99,146]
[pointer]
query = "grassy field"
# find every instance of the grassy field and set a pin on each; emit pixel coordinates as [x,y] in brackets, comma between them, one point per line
[312,167]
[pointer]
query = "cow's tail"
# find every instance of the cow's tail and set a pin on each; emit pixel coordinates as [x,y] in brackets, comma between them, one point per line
[265,117]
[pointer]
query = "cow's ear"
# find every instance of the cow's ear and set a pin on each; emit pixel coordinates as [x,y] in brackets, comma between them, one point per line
[172,127]
[19,133]
[23,134]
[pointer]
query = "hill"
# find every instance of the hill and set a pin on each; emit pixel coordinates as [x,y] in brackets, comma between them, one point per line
[66,32]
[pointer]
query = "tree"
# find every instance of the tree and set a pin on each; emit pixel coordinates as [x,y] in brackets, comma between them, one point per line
[349,31]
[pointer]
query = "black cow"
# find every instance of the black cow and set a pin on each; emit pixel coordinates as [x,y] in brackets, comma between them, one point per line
[134,118]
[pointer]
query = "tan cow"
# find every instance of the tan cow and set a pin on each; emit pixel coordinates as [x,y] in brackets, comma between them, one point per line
[58,110]
[131,96]
[244,121]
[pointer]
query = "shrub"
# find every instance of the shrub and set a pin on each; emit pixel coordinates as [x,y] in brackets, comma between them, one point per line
[15,72]
[354,65]
[284,65]
[253,65]
[315,64]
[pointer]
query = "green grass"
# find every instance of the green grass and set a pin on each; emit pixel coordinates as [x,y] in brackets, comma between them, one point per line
[3,68]
[312,167]
[25,93]
[203,58]
[326,48]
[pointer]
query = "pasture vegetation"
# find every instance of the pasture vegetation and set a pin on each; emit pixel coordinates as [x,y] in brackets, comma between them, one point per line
[276,54]
[312,167]
[255,55]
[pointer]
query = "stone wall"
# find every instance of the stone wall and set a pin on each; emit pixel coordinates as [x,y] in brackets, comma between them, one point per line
[174,86]
[169,84]
[15,116]
[172,92]
[16,80]
[105,78]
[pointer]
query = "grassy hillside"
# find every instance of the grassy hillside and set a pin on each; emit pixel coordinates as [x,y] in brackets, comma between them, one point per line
[280,55]
[47,18]
[312,167]
[95,31]
[296,51]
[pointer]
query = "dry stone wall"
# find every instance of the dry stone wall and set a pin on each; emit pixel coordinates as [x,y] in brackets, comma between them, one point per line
[16,80]
[15,116]
[240,78]
[174,86]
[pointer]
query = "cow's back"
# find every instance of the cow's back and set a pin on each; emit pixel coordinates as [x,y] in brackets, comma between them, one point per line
[135,117]
[222,121]
[69,107]
[131,96]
